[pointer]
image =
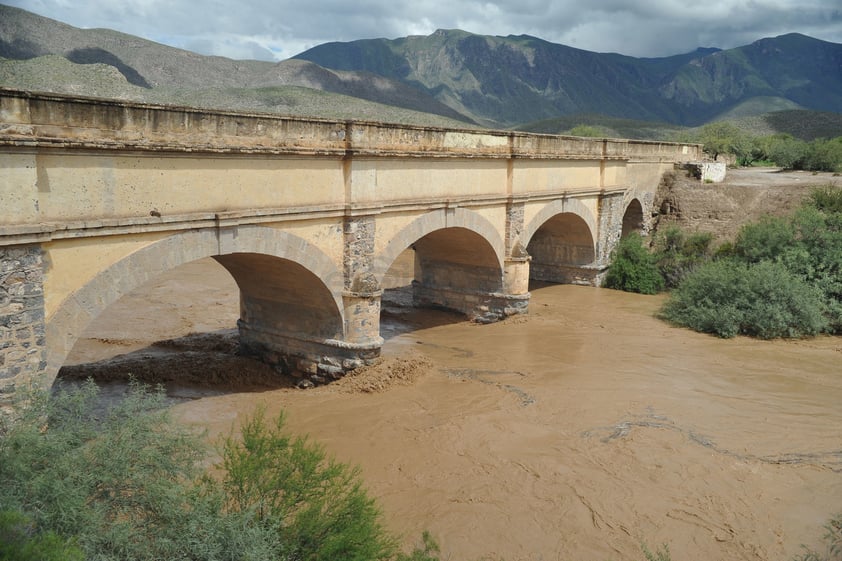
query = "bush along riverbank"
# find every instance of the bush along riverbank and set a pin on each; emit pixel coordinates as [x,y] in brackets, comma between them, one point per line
[780,277]
[127,483]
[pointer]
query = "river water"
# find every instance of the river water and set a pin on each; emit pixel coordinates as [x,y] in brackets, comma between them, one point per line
[578,431]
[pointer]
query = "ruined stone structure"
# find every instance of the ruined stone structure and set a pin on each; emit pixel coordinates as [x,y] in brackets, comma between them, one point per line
[99,196]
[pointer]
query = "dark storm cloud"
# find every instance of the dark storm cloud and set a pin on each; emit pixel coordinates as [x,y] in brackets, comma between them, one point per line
[278,29]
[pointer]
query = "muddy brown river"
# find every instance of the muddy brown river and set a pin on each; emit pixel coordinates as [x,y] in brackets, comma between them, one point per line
[576,432]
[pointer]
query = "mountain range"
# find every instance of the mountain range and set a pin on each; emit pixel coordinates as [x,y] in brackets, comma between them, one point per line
[448,78]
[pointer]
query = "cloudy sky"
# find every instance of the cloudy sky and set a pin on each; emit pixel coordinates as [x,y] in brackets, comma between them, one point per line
[279,29]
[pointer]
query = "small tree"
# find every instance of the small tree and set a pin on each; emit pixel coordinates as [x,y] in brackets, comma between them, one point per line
[720,137]
[824,155]
[748,149]
[786,151]
[125,484]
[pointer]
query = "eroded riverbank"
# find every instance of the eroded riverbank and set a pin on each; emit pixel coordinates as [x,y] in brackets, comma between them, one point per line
[576,432]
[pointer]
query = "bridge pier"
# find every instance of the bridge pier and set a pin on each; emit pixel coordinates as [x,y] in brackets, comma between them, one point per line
[611,214]
[292,321]
[23,347]
[479,292]
[482,307]
[306,349]
[316,360]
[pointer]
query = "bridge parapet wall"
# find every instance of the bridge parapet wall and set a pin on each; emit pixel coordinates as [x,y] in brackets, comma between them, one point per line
[41,118]
[90,122]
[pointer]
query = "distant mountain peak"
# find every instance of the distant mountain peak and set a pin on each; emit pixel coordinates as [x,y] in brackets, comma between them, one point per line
[503,81]
[490,80]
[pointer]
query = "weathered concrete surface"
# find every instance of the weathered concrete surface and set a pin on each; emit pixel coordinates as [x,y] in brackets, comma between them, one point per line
[706,172]
[306,214]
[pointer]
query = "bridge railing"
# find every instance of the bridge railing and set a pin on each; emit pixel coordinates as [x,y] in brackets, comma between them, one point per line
[51,119]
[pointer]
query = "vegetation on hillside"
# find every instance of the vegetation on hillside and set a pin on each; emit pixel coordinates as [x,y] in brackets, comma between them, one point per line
[783,150]
[604,126]
[806,125]
[802,126]
[520,79]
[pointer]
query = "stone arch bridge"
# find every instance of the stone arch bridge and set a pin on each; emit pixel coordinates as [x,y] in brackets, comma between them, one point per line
[308,215]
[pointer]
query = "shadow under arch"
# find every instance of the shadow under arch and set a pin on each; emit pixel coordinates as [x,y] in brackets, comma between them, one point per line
[433,221]
[80,308]
[457,263]
[561,206]
[561,241]
[633,220]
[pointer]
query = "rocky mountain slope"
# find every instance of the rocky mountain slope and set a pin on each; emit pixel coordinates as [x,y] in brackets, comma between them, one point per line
[449,78]
[39,53]
[517,79]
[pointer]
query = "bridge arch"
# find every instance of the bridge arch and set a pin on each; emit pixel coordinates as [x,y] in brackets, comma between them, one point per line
[560,206]
[458,262]
[561,239]
[431,222]
[248,250]
[633,219]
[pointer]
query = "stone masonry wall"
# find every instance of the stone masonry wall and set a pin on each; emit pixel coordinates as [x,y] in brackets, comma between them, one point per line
[514,228]
[23,351]
[359,249]
[610,227]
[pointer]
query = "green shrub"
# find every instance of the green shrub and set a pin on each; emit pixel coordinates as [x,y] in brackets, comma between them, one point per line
[124,484]
[832,542]
[590,131]
[817,255]
[786,151]
[724,250]
[20,541]
[782,277]
[826,198]
[316,505]
[765,239]
[633,268]
[728,297]
[661,553]
[429,550]
[120,482]
[698,245]
[824,155]
[678,254]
